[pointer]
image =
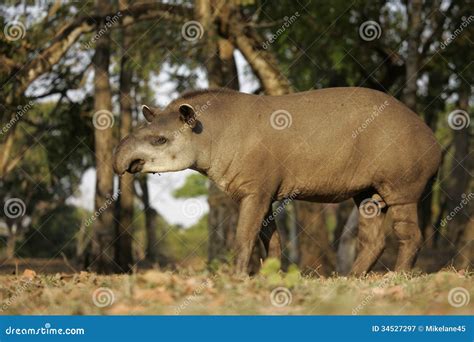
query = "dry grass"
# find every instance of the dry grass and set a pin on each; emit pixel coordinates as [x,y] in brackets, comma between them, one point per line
[190,293]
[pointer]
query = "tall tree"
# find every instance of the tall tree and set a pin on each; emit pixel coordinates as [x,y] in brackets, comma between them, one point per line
[413,59]
[459,187]
[316,255]
[123,250]
[415,27]
[104,227]
[154,244]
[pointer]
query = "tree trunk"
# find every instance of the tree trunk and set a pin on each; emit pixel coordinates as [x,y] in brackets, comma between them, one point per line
[412,64]
[123,251]
[460,177]
[262,61]
[343,212]
[222,72]
[11,244]
[415,25]
[83,243]
[287,224]
[347,247]
[222,223]
[104,227]
[465,256]
[153,246]
[463,232]
[5,151]
[316,254]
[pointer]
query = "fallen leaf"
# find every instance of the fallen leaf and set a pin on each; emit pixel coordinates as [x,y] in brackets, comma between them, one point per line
[29,274]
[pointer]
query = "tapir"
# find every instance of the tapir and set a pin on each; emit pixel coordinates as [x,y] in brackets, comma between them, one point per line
[326,145]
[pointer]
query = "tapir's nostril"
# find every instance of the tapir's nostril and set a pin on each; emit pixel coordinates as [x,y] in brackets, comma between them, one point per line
[136,166]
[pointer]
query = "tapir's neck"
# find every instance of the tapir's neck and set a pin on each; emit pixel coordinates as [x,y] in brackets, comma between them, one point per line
[216,143]
[213,148]
[203,146]
[207,155]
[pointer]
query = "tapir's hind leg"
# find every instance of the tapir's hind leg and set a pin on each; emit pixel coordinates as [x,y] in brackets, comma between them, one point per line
[405,225]
[371,236]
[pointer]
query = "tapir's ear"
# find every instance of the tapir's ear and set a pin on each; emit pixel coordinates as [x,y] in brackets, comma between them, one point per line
[149,114]
[187,114]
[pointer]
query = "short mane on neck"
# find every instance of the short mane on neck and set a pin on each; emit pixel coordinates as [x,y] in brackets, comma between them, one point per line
[190,95]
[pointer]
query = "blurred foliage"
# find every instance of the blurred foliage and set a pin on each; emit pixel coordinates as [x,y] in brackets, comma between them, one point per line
[53,235]
[178,244]
[186,244]
[271,271]
[194,186]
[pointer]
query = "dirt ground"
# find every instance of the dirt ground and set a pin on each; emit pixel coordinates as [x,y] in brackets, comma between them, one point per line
[29,290]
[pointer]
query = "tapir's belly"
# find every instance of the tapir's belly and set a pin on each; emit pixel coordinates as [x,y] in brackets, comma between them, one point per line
[323,185]
[332,173]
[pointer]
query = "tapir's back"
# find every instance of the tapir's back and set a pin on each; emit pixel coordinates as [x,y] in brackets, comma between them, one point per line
[329,119]
[328,144]
[331,135]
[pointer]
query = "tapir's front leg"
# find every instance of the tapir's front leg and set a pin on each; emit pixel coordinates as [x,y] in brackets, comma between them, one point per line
[252,212]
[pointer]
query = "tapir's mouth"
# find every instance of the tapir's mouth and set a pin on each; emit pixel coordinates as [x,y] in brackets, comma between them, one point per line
[136,166]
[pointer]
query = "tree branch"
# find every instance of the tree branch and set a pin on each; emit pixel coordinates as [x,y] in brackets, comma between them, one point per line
[264,64]
[70,33]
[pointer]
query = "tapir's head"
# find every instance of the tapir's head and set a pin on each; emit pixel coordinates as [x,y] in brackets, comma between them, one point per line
[164,143]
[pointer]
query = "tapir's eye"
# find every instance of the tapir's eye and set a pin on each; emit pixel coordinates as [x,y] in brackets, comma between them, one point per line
[158,141]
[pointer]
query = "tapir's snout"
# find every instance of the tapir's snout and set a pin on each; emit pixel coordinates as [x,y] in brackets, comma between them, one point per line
[124,159]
